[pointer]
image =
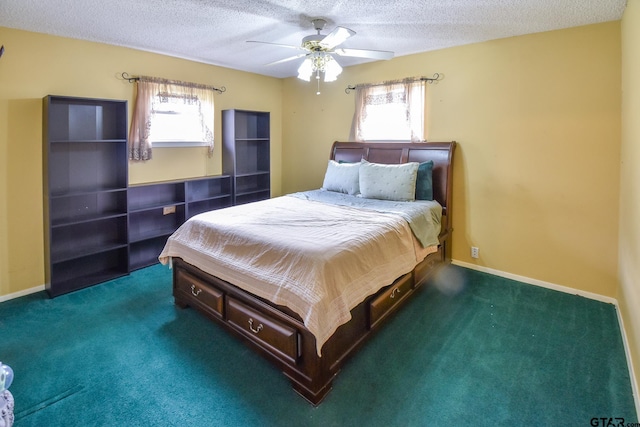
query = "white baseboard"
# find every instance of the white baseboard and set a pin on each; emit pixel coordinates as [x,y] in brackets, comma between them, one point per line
[537,282]
[634,379]
[21,293]
[566,289]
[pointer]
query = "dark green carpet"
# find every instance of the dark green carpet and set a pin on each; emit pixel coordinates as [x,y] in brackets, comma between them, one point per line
[497,353]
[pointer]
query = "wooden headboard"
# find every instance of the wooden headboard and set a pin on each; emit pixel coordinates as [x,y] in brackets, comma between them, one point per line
[394,152]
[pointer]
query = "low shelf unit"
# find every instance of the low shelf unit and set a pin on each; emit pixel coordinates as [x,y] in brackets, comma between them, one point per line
[156,210]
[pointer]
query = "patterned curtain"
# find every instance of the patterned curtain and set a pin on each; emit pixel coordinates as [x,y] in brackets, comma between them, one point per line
[407,94]
[151,92]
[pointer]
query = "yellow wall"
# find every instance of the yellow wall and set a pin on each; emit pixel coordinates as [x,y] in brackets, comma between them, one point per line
[537,118]
[629,247]
[36,65]
[536,178]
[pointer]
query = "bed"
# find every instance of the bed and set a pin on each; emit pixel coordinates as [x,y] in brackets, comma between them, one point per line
[306,278]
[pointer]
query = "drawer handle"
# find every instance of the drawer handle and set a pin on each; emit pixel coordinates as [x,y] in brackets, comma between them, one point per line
[256,330]
[195,292]
[394,292]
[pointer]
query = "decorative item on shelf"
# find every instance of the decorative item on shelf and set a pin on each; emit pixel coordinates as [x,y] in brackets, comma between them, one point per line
[6,398]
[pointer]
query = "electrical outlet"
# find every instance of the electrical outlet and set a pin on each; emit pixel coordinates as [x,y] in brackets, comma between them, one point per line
[474,252]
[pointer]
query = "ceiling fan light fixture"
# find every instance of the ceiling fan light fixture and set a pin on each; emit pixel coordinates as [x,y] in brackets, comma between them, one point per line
[331,70]
[319,59]
[320,50]
[319,62]
[306,69]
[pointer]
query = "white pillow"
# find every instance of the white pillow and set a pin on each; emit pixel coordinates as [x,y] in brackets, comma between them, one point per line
[342,177]
[388,182]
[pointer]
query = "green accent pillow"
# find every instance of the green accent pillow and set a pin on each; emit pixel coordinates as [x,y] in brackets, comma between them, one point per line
[424,182]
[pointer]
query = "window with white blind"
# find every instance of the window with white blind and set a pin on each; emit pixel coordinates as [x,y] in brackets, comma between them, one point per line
[392,111]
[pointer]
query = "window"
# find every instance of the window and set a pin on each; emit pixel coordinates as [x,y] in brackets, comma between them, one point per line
[391,111]
[168,113]
[176,121]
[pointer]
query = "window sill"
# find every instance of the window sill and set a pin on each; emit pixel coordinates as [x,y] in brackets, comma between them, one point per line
[178,144]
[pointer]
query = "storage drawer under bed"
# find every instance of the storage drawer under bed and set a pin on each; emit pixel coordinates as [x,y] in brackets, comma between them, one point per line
[427,267]
[385,303]
[195,291]
[275,336]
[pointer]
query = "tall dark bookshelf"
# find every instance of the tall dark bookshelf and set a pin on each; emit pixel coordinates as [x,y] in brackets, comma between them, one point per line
[246,154]
[85,173]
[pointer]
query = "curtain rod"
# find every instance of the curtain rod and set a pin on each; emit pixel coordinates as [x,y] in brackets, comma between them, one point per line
[132,79]
[429,80]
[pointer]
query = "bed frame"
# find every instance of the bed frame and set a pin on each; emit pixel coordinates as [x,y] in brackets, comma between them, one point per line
[276,332]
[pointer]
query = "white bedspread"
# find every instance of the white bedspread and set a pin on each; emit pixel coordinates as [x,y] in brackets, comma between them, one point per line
[319,260]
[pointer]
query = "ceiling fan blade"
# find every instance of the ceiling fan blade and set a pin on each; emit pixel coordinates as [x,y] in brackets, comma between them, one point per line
[336,37]
[288,46]
[291,58]
[364,53]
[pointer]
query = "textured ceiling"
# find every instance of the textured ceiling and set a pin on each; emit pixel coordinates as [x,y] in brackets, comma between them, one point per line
[216,31]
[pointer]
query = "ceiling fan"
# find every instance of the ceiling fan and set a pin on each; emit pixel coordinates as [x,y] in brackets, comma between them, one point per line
[319,51]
